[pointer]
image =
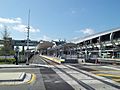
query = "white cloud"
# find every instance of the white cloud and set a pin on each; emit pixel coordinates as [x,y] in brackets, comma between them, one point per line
[10,21]
[87,31]
[20,28]
[47,38]
[23,28]
[33,29]
[15,24]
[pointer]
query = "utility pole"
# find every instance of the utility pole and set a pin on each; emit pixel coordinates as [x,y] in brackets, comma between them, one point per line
[28,30]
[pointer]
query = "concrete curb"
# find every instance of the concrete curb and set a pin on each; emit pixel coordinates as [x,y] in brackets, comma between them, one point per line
[33,78]
[25,78]
[14,66]
[21,78]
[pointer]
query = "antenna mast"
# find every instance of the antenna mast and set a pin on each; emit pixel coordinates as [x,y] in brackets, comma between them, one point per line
[28,30]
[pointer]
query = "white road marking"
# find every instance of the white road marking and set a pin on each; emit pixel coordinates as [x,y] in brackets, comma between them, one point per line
[98,85]
[69,80]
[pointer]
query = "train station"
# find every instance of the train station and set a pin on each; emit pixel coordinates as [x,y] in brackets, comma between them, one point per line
[89,63]
[103,47]
[60,45]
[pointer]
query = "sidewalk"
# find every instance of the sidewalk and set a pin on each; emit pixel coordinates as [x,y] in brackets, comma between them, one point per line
[13,66]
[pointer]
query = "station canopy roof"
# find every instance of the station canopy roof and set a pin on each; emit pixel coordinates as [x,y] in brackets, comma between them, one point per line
[96,35]
[65,45]
[69,45]
[44,45]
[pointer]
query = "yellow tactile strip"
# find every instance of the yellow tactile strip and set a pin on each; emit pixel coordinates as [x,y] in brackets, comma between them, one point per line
[112,76]
[33,78]
[57,60]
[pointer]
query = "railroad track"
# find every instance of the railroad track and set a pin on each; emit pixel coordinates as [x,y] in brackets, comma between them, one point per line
[105,84]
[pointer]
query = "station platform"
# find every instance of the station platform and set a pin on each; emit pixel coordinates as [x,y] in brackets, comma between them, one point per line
[54,59]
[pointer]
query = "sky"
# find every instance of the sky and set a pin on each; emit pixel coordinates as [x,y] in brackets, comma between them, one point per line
[58,19]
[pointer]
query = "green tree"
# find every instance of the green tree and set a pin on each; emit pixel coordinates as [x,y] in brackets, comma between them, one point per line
[6,41]
[7,48]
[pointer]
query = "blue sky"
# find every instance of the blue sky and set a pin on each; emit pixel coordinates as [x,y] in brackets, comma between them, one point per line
[58,19]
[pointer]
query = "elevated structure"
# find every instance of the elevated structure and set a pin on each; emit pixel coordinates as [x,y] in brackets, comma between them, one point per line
[101,45]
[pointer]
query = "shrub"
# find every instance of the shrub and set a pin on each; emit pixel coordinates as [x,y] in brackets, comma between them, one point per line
[7,60]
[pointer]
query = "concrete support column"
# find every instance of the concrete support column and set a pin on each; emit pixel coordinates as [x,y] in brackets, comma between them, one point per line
[86,54]
[77,50]
[79,47]
[86,51]
[91,43]
[85,45]
[23,49]
[100,53]
[111,39]
[100,48]
[113,43]
[41,51]
[70,53]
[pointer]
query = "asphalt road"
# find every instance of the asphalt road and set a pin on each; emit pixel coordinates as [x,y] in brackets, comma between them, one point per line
[52,81]
[46,78]
[64,77]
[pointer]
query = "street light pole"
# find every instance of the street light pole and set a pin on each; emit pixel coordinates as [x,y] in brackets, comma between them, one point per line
[28,29]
